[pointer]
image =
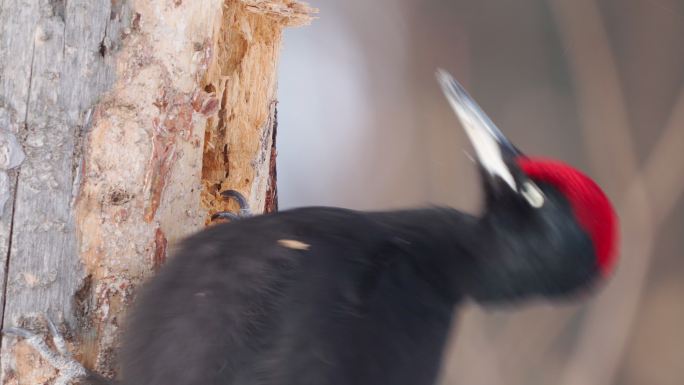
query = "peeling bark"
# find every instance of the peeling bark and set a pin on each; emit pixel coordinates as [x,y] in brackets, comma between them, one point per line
[133,116]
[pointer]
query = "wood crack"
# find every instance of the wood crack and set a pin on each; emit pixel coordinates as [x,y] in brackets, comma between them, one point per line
[15,183]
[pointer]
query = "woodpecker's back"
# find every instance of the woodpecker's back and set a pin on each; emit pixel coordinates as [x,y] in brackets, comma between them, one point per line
[309,296]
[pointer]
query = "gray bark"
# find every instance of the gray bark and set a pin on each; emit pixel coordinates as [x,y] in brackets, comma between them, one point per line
[107,100]
[54,64]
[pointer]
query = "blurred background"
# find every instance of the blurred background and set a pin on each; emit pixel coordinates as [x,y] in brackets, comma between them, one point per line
[596,83]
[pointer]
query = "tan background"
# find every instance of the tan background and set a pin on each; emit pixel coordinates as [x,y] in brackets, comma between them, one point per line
[597,83]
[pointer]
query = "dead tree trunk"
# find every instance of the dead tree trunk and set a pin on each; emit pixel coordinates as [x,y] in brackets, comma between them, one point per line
[132,115]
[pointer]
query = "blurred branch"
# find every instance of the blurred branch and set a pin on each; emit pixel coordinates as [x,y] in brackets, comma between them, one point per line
[651,192]
[527,337]
[479,368]
[605,120]
[662,173]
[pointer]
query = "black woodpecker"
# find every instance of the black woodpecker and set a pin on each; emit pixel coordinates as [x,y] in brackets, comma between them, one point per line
[330,296]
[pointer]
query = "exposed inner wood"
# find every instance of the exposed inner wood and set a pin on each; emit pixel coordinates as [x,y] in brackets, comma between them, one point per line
[238,142]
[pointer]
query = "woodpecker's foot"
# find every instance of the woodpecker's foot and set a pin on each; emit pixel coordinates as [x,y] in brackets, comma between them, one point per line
[240,200]
[69,369]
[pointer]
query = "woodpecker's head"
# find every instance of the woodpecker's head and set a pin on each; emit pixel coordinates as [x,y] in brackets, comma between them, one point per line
[548,229]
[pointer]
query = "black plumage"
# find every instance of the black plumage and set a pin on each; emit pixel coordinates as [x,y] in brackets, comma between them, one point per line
[238,306]
[333,296]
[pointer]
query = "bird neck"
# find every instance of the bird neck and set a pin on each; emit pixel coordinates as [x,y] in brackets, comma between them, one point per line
[440,244]
[494,258]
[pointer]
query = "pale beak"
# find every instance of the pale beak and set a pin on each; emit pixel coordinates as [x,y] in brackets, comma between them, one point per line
[494,151]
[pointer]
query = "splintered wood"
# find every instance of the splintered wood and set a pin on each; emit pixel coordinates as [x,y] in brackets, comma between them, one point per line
[242,75]
[133,115]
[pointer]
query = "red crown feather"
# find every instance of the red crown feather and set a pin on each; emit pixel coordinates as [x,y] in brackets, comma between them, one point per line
[592,208]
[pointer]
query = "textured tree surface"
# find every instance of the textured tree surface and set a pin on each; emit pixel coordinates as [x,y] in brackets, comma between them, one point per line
[120,121]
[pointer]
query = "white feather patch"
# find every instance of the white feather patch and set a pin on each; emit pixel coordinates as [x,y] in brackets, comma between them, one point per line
[293,244]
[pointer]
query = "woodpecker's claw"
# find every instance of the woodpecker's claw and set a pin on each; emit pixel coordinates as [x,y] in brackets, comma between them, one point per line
[17,332]
[225,215]
[69,369]
[240,200]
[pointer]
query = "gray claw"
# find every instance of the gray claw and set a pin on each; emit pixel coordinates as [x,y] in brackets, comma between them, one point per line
[240,199]
[69,369]
[57,338]
[18,332]
[225,215]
